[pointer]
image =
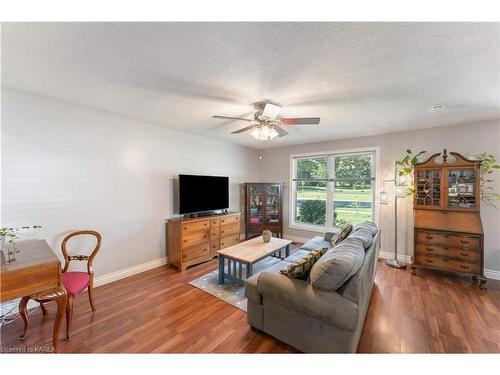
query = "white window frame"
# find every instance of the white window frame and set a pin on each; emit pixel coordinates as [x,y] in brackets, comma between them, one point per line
[293,191]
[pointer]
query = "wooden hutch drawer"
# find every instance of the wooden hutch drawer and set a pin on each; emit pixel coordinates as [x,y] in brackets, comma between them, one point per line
[195,226]
[229,230]
[446,263]
[214,245]
[230,219]
[466,255]
[194,252]
[229,241]
[445,239]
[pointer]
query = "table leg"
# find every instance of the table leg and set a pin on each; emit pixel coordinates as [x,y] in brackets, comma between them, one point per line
[287,251]
[60,297]
[249,270]
[24,314]
[221,269]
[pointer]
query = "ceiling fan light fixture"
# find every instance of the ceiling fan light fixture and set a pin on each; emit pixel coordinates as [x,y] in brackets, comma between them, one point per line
[263,133]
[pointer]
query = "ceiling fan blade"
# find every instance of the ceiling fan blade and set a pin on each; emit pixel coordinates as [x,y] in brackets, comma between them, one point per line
[242,130]
[271,110]
[233,118]
[300,121]
[281,132]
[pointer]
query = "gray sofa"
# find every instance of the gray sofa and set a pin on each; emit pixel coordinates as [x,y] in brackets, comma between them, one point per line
[312,319]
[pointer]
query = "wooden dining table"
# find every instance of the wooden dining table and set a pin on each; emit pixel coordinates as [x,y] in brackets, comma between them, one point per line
[35,273]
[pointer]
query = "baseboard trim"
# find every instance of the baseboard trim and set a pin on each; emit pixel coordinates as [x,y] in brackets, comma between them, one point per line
[118,275]
[492,274]
[390,255]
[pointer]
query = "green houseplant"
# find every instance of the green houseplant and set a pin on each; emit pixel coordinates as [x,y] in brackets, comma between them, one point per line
[405,166]
[487,166]
[8,237]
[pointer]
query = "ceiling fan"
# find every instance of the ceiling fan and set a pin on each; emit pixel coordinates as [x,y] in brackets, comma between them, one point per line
[267,125]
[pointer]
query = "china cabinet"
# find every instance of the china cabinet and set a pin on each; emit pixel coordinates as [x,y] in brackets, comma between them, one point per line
[263,205]
[448,230]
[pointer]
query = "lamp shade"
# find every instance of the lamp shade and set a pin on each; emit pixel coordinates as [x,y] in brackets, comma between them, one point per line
[384,197]
[399,191]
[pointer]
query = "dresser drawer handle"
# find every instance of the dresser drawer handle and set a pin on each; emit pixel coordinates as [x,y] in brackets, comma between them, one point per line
[429,237]
[205,236]
[464,241]
[221,231]
[445,260]
[429,260]
[464,267]
[464,254]
[429,249]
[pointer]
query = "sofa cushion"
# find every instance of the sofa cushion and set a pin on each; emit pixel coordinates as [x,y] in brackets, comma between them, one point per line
[342,234]
[372,227]
[364,235]
[315,242]
[339,264]
[300,268]
[251,291]
[299,254]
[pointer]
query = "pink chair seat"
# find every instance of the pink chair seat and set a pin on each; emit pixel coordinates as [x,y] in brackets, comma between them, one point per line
[75,282]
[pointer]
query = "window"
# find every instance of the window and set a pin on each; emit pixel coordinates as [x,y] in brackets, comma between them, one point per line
[332,189]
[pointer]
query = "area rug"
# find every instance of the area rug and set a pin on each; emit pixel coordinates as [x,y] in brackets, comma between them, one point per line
[230,292]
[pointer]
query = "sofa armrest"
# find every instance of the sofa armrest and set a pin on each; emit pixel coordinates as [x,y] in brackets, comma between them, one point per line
[301,296]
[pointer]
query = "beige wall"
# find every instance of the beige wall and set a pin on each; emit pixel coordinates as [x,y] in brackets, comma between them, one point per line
[466,139]
[68,167]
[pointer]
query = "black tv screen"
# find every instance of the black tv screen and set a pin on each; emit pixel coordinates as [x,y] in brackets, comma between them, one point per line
[202,193]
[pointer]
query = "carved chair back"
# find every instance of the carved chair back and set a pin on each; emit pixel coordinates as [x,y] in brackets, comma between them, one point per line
[89,258]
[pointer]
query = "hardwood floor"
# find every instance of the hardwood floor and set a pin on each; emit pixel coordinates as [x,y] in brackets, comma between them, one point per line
[158,311]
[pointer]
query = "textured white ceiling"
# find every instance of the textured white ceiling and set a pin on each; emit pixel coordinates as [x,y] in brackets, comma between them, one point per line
[360,78]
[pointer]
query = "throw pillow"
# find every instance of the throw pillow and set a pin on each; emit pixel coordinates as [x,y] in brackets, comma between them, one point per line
[338,265]
[329,236]
[300,268]
[342,234]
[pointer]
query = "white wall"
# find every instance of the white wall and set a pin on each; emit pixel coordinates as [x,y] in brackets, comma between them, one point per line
[69,168]
[466,139]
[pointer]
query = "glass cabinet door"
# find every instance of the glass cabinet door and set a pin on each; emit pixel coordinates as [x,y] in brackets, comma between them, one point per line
[272,204]
[462,188]
[428,187]
[256,205]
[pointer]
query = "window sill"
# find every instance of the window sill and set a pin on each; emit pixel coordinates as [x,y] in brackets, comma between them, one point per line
[311,228]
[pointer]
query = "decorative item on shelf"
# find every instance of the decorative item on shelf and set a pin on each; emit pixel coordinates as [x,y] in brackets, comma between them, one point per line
[402,188]
[8,237]
[266,235]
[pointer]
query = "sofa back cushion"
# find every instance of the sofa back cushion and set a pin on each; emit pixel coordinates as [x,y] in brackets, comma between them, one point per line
[358,288]
[339,264]
[301,268]
[364,235]
[372,227]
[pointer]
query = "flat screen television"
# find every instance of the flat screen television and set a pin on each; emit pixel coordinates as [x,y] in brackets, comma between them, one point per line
[202,193]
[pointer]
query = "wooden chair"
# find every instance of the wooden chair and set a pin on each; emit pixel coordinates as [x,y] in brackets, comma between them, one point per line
[77,282]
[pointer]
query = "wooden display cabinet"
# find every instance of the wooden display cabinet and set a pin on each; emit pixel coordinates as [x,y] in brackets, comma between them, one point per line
[448,227]
[263,209]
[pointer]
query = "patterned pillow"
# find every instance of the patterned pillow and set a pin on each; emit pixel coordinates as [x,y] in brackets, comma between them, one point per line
[342,234]
[300,269]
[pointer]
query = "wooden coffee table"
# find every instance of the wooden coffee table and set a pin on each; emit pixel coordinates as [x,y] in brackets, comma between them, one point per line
[248,253]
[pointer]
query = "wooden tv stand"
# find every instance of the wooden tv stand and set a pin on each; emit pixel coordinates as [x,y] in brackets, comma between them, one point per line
[192,241]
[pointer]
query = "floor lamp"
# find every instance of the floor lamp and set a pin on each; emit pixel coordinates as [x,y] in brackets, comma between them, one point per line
[400,186]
